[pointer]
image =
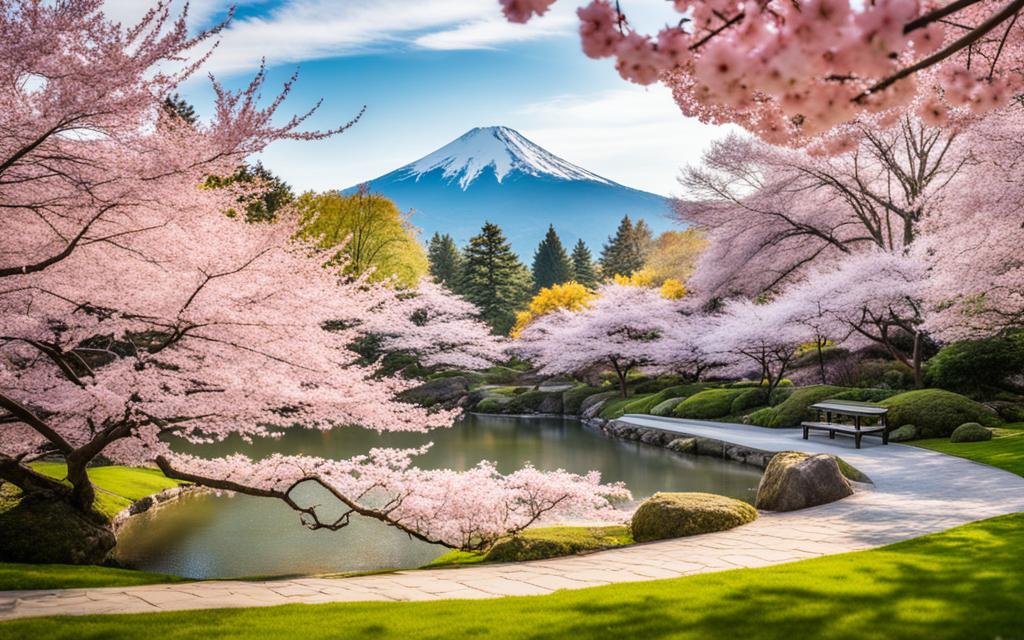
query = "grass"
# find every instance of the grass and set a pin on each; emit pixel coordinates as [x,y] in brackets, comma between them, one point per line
[547,542]
[962,583]
[116,487]
[1005,450]
[71,576]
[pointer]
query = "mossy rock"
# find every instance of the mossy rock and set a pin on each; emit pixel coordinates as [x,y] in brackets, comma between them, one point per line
[795,480]
[937,412]
[665,407]
[708,404]
[490,405]
[593,405]
[554,542]
[674,515]
[970,432]
[52,532]
[535,402]
[905,433]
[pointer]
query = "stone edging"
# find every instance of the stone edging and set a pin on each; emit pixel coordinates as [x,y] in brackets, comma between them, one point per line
[697,445]
[151,502]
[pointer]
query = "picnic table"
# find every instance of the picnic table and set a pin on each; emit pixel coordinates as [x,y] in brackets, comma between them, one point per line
[858,411]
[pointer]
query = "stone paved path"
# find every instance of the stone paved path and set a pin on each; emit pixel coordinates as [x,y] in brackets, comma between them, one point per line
[915,492]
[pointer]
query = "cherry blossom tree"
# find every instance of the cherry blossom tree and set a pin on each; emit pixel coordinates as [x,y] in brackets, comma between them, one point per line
[773,214]
[766,336]
[134,310]
[436,326]
[873,297]
[791,72]
[624,328]
[975,286]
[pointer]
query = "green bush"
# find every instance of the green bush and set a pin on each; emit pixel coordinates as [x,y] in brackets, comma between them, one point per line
[970,432]
[795,408]
[666,407]
[553,542]
[500,375]
[653,385]
[884,373]
[490,405]
[573,398]
[749,399]
[708,404]
[936,412]
[645,404]
[535,402]
[615,407]
[865,395]
[673,515]
[977,366]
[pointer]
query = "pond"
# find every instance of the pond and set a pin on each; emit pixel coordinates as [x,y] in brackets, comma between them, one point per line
[220,536]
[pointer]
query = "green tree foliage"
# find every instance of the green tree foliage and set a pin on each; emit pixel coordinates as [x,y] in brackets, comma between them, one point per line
[550,263]
[180,107]
[493,278]
[445,260]
[978,367]
[368,231]
[583,269]
[627,250]
[270,195]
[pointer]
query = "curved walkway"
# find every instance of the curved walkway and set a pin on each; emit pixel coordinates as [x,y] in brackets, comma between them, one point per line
[915,492]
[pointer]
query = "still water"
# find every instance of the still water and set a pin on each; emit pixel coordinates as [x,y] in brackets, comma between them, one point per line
[219,536]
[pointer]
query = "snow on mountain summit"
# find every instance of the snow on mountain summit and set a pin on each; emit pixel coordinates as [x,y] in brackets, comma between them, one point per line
[502,149]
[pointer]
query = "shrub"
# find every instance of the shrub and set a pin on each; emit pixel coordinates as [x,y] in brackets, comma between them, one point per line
[865,395]
[710,403]
[573,398]
[552,542]
[646,404]
[970,432]
[936,412]
[976,366]
[535,402]
[500,375]
[794,409]
[883,373]
[750,398]
[673,515]
[615,407]
[666,407]
[654,385]
[489,405]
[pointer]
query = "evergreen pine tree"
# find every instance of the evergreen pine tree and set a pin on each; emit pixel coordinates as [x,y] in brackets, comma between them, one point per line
[550,263]
[445,260]
[643,241]
[620,256]
[583,265]
[493,278]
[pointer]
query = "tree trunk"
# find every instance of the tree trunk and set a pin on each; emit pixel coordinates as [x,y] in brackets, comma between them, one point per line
[83,494]
[821,360]
[918,374]
[620,372]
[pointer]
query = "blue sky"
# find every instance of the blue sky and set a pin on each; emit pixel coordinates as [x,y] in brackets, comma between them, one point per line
[428,70]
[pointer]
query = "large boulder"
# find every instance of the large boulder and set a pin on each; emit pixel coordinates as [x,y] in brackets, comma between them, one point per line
[796,480]
[48,531]
[673,515]
[970,432]
[442,391]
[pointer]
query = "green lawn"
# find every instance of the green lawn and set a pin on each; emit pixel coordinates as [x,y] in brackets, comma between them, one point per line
[1005,450]
[540,543]
[67,576]
[116,487]
[964,583]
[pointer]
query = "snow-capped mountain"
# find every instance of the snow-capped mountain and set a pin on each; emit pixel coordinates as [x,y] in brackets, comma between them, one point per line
[496,174]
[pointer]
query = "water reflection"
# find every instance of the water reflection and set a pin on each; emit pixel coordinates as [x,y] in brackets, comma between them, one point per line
[208,536]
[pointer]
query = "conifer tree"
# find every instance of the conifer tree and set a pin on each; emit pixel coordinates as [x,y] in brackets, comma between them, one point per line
[550,263]
[493,278]
[445,260]
[625,251]
[583,268]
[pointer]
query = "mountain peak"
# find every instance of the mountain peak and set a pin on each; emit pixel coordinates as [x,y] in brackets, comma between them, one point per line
[504,150]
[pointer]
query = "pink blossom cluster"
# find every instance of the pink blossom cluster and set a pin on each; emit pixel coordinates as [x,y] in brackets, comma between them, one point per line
[792,72]
[522,10]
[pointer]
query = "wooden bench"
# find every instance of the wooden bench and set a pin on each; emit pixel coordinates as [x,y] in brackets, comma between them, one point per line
[855,410]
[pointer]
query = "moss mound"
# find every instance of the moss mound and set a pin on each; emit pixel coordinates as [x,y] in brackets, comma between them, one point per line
[904,434]
[674,515]
[52,532]
[936,412]
[970,432]
[666,407]
[794,409]
[749,399]
[710,403]
[553,542]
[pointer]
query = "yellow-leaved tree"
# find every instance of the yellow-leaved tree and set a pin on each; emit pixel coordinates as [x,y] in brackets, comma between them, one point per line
[670,288]
[674,256]
[568,295]
[380,237]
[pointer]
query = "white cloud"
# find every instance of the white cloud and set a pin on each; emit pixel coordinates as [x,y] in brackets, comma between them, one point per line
[200,12]
[632,135]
